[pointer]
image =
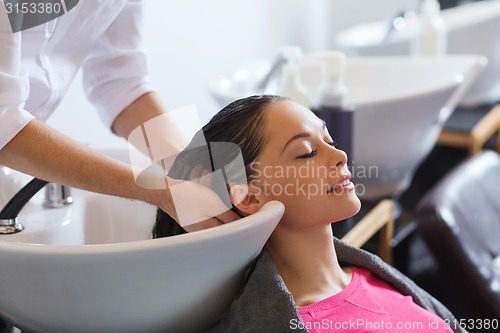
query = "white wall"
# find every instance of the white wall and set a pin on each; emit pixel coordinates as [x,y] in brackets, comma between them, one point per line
[189,41]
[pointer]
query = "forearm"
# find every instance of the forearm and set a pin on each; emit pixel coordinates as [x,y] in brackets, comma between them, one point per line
[166,132]
[44,153]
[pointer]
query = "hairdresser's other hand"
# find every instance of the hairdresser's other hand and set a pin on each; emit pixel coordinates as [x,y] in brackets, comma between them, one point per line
[197,207]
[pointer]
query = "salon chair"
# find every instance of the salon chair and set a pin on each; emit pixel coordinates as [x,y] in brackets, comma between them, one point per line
[459,219]
[471,128]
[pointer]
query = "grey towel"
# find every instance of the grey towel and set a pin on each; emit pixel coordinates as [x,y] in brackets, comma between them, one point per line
[265,304]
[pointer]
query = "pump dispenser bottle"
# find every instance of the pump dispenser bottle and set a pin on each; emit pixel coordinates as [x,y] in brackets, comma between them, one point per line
[431,36]
[332,104]
[290,84]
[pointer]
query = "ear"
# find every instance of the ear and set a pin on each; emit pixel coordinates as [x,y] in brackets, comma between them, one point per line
[245,201]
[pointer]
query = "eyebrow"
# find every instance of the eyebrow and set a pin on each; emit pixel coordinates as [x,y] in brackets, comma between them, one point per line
[300,136]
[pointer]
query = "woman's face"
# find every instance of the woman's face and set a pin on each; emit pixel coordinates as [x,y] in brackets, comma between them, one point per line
[300,167]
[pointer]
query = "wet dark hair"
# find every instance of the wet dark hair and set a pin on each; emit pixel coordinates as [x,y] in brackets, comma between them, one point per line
[240,123]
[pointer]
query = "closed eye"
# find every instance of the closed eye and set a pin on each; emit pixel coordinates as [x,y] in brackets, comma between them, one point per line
[315,151]
[309,155]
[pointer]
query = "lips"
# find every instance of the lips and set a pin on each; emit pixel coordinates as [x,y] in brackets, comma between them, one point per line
[344,183]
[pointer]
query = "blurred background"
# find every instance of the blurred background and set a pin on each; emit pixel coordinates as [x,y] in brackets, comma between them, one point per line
[190,41]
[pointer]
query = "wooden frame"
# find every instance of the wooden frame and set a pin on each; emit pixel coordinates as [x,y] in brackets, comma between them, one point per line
[379,218]
[477,137]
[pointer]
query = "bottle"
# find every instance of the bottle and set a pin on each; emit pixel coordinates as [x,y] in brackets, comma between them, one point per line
[332,102]
[290,84]
[431,34]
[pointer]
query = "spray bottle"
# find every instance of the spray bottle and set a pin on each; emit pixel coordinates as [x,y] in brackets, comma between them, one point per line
[332,103]
[431,38]
[290,84]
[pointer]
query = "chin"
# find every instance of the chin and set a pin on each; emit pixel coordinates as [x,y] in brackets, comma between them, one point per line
[350,208]
[356,205]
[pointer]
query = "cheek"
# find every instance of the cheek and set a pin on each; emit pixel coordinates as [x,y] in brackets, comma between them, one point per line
[302,191]
[276,189]
[295,189]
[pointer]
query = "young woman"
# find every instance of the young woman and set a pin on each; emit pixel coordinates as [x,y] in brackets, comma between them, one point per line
[289,156]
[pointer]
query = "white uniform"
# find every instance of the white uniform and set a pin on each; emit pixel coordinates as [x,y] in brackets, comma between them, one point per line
[37,65]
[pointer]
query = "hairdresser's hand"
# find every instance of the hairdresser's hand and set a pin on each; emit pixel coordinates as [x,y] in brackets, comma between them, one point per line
[197,207]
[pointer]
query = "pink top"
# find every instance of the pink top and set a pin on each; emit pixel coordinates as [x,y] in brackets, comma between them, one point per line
[369,304]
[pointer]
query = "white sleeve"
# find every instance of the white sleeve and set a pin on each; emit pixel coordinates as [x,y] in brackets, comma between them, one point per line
[14,82]
[115,72]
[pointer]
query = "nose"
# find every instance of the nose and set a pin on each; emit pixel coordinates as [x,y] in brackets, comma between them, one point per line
[342,157]
[338,157]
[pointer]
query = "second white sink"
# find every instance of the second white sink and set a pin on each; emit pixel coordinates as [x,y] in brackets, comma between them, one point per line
[401,105]
[472,29]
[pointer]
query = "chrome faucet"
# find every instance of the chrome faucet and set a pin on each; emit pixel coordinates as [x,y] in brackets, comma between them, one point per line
[56,196]
[275,69]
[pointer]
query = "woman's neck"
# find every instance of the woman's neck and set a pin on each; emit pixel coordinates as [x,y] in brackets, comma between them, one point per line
[308,263]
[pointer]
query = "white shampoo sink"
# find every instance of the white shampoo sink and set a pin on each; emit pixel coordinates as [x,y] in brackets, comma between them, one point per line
[401,105]
[472,29]
[92,267]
